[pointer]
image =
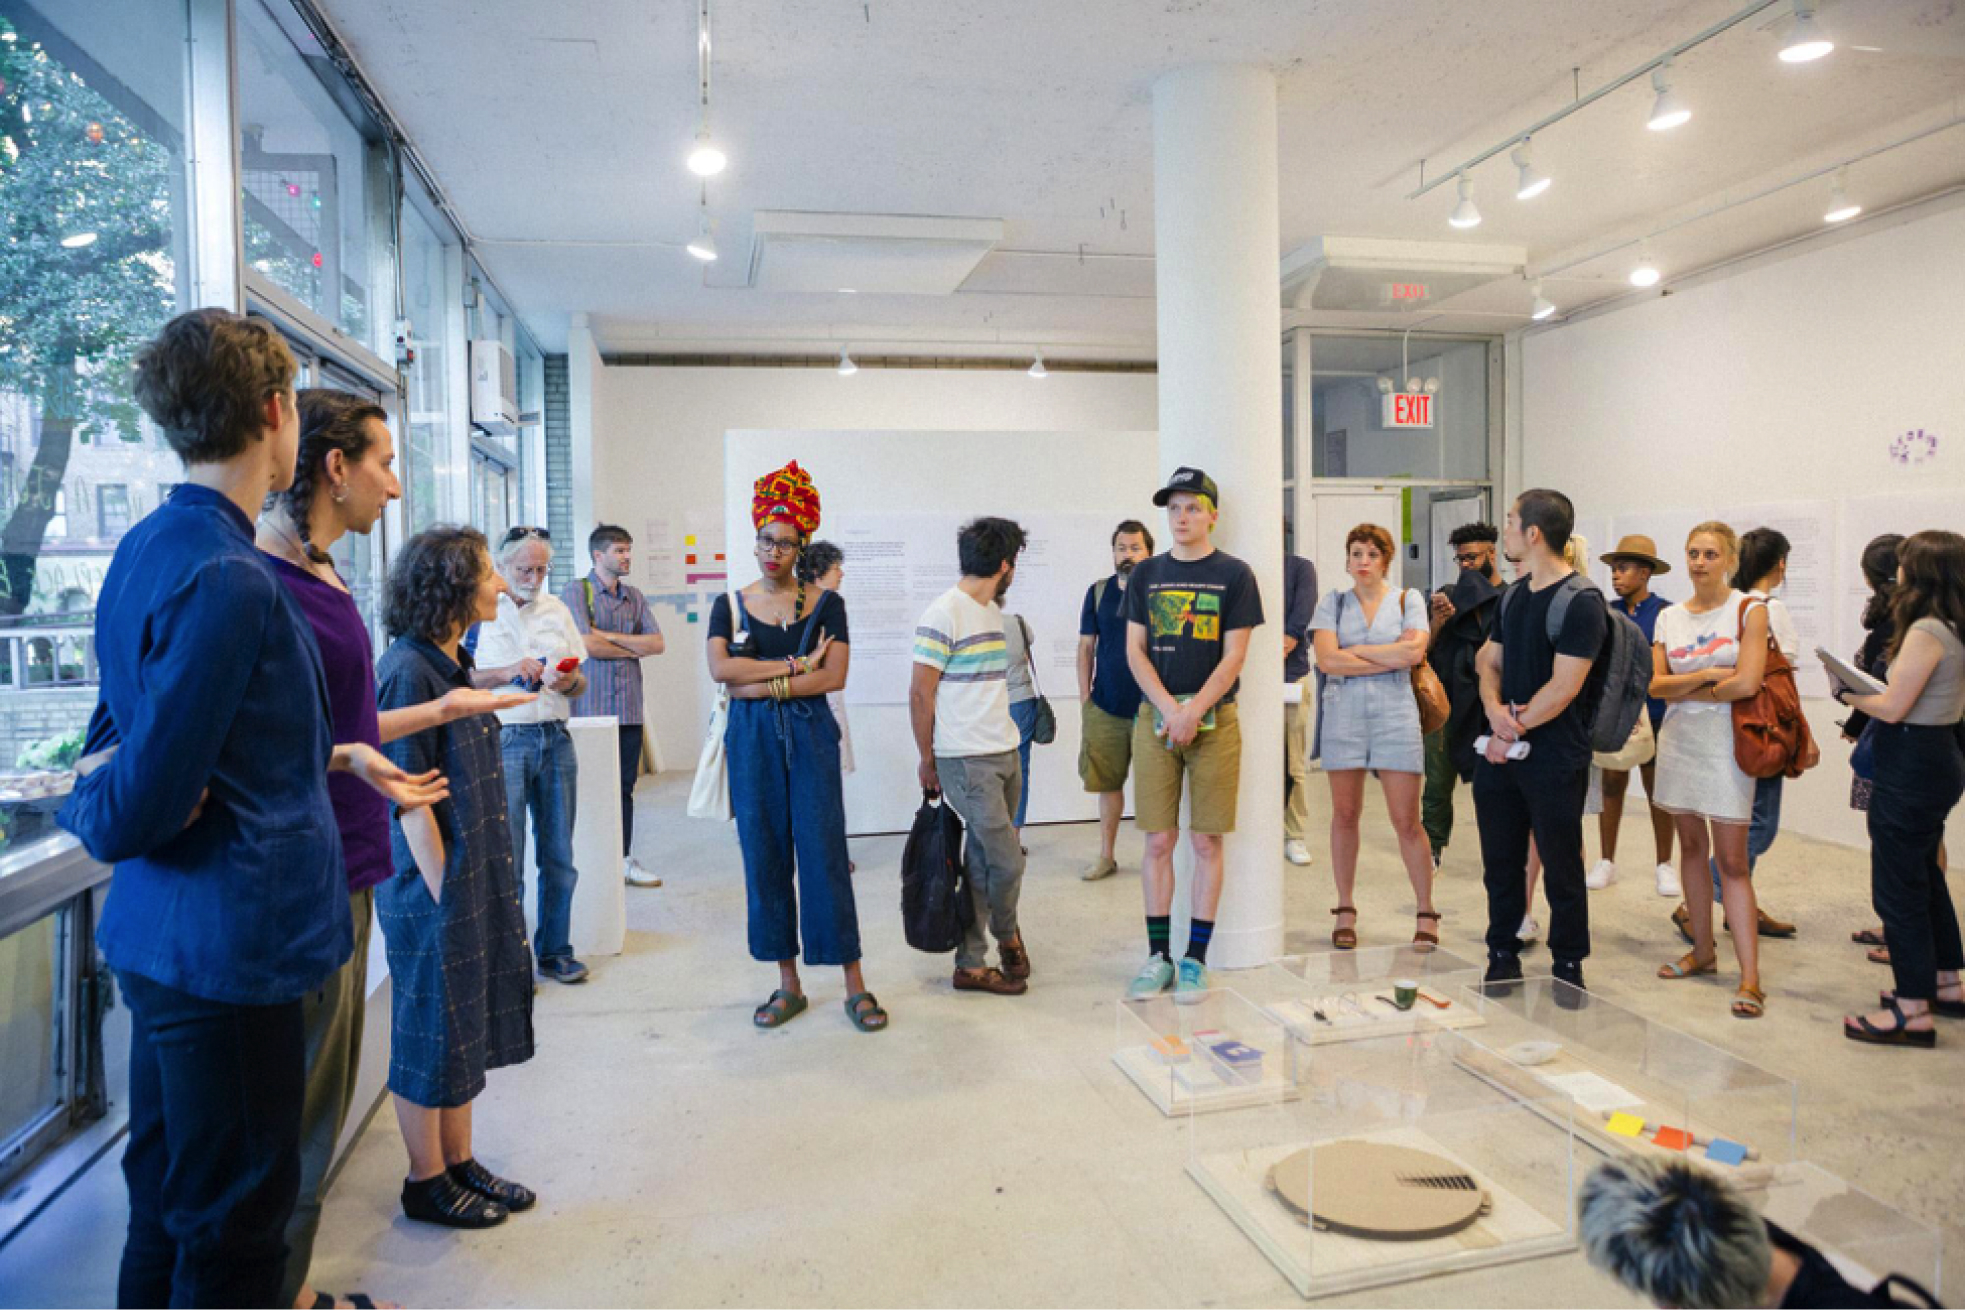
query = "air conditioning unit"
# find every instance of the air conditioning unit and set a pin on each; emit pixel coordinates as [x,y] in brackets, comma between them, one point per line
[494,388]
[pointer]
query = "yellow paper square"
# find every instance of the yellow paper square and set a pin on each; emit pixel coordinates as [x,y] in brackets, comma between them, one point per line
[1626,1125]
[689,541]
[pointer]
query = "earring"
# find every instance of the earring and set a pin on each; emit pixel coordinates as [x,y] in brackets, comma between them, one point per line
[340,493]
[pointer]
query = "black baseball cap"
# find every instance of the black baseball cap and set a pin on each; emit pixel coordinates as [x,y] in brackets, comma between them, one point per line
[1190,480]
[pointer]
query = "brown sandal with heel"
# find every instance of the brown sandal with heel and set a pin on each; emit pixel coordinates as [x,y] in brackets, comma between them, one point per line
[1345,939]
[1426,939]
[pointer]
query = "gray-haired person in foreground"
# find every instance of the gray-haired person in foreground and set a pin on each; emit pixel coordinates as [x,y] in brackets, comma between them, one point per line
[1680,1236]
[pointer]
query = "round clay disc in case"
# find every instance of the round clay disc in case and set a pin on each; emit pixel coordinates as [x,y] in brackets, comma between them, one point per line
[1378,1191]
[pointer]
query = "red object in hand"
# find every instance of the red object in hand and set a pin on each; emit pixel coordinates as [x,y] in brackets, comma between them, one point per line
[566,666]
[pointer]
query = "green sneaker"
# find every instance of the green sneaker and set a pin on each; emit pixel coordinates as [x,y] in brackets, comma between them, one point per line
[1191,984]
[1152,980]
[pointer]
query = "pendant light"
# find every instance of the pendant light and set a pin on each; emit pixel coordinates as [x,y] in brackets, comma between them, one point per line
[1806,42]
[847,367]
[1530,181]
[1645,273]
[1841,209]
[1541,308]
[1465,214]
[1668,110]
[1037,369]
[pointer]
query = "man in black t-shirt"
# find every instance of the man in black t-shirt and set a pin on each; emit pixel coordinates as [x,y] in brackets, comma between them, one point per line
[1189,614]
[1529,688]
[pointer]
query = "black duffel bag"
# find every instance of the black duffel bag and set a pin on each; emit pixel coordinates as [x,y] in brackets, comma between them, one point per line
[935,905]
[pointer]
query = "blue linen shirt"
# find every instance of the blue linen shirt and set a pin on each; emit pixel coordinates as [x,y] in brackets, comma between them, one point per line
[1101,617]
[1299,602]
[211,680]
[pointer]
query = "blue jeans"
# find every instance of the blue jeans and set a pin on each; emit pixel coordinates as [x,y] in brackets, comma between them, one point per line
[213,1161]
[1024,713]
[784,762]
[1764,821]
[540,774]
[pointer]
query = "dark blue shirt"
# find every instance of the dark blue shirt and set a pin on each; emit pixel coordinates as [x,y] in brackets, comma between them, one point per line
[1646,616]
[211,681]
[1113,687]
[1299,603]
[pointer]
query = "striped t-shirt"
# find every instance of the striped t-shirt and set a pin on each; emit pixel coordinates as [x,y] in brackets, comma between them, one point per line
[965,642]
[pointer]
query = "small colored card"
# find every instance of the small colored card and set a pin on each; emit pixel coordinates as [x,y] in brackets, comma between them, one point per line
[1625,1125]
[1722,1151]
[1673,1139]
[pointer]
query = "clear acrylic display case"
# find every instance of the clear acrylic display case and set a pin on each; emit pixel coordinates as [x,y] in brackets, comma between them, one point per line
[1333,996]
[1217,1053]
[1862,1236]
[1323,1182]
[1634,1085]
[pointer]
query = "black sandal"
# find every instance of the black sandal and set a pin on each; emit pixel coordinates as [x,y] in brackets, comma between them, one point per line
[1898,1035]
[360,1300]
[485,1183]
[441,1200]
[1940,1006]
[1426,940]
[1345,939]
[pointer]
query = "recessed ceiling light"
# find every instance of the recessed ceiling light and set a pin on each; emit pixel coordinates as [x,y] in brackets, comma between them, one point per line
[1465,214]
[1668,110]
[1841,208]
[847,367]
[1806,41]
[1530,181]
[77,240]
[1541,308]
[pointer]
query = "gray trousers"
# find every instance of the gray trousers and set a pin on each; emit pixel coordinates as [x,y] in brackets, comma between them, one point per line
[982,790]
[334,1050]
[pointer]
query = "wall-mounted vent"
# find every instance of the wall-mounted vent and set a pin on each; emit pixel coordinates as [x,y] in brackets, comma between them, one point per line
[874,254]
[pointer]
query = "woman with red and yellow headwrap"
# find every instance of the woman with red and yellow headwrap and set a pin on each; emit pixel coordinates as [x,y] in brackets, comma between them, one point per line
[778,647]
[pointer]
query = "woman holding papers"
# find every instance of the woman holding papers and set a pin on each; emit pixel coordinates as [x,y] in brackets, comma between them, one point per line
[1919,775]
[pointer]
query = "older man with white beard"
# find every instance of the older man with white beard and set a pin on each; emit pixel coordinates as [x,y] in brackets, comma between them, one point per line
[534,645]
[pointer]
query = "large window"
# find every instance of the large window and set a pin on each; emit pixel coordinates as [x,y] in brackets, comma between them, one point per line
[433,306]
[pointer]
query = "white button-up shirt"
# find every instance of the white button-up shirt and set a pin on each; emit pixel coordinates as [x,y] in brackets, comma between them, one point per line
[543,630]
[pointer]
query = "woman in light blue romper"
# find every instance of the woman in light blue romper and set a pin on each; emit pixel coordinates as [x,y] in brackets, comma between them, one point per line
[1367,640]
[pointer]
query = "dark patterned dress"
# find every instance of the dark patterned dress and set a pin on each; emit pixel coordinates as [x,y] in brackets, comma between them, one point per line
[460,966]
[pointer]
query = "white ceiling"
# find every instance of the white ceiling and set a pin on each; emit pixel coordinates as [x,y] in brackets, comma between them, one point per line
[559,131]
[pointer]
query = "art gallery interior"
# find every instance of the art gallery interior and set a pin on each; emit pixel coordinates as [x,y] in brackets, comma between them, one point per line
[612,261]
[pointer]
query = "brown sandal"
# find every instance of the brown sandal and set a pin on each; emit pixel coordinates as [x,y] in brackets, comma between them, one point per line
[1345,939]
[1689,966]
[989,980]
[1427,939]
[1749,1003]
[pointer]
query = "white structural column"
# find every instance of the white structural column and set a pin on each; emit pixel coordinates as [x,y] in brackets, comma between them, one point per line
[1221,401]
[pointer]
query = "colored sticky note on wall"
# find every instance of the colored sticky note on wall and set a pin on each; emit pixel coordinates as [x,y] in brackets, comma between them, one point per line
[689,541]
[692,616]
[1626,1125]
[1673,1139]
[1722,1151]
[689,559]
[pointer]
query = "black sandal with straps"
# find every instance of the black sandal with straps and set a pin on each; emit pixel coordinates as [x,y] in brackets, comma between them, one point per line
[441,1199]
[1346,939]
[1426,940]
[1899,1034]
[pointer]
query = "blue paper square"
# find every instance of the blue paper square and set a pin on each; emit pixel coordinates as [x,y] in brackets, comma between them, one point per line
[1722,1151]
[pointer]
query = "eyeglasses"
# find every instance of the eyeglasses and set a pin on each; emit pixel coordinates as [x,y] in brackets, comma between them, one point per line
[516,533]
[773,546]
[1468,556]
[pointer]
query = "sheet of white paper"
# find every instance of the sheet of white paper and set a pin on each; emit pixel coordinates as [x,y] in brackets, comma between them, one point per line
[1593,1091]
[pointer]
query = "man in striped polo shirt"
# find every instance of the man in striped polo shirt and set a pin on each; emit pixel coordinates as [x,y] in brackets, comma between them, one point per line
[959,704]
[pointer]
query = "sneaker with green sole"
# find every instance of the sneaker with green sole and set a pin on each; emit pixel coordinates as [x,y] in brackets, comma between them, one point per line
[1152,980]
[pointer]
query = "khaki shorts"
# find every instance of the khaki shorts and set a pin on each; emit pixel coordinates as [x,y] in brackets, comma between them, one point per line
[1105,748]
[1212,763]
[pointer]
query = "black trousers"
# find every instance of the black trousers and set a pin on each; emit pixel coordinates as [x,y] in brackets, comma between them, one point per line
[213,1159]
[1514,801]
[1918,778]
[631,769]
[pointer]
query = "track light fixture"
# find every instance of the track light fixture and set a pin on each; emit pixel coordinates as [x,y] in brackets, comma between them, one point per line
[1465,214]
[1037,369]
[1806,41]
[1841,209]
[705,158]
[704,244]
[1668,110]
[1645,273]
[1540,308]
[1530,181]
[847,367]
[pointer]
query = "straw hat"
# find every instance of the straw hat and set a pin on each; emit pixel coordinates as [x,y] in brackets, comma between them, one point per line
[1640,549]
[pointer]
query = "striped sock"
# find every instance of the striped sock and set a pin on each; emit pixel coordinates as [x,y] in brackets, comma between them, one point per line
[1157,935]
[1199,931]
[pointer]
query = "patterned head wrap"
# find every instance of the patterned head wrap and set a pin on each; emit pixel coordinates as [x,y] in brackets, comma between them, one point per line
[787,494]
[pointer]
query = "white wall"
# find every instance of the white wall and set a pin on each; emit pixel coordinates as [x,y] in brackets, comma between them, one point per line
[1785,381]
[659,442]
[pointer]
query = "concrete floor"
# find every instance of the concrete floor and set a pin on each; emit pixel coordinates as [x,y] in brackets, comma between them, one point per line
[985,1151]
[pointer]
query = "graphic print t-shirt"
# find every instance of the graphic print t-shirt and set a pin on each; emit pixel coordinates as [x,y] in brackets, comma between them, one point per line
[1186,607]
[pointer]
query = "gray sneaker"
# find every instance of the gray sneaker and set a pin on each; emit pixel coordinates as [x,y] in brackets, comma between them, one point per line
[1153,978]
[564,969]
[1101,868]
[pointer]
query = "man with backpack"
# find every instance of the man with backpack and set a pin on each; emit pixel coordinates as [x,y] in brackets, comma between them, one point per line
[1461,614]
[1550,631]
[1108,696]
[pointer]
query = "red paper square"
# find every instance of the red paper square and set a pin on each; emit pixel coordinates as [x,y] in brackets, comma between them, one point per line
[1673,1139]
[689,559]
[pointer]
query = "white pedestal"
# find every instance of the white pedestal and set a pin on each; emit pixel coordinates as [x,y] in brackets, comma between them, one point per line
[600,903]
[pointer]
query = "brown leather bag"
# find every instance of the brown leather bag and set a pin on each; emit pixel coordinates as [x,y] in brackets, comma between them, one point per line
[1431,696]
[1771,734]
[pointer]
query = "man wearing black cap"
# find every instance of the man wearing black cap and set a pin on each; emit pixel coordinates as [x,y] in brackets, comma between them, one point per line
[1189,615]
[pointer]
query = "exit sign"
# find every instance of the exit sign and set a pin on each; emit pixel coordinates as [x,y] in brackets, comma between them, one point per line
[1405,409]
[1408,290]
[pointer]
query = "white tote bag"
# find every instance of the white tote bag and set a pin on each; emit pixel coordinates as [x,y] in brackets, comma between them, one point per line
[709,794]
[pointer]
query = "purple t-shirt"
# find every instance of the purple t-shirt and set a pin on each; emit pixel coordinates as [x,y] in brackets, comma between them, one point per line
[348,660]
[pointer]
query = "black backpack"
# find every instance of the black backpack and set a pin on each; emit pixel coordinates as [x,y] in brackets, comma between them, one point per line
[935,904]
[1620,679]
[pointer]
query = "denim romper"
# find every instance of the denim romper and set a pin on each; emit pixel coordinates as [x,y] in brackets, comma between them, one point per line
[1369,722]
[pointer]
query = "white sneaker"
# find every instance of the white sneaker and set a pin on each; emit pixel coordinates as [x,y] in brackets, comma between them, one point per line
[637,876]
[1296,852]
[1530,931]
[1667,880]
[1602,875]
